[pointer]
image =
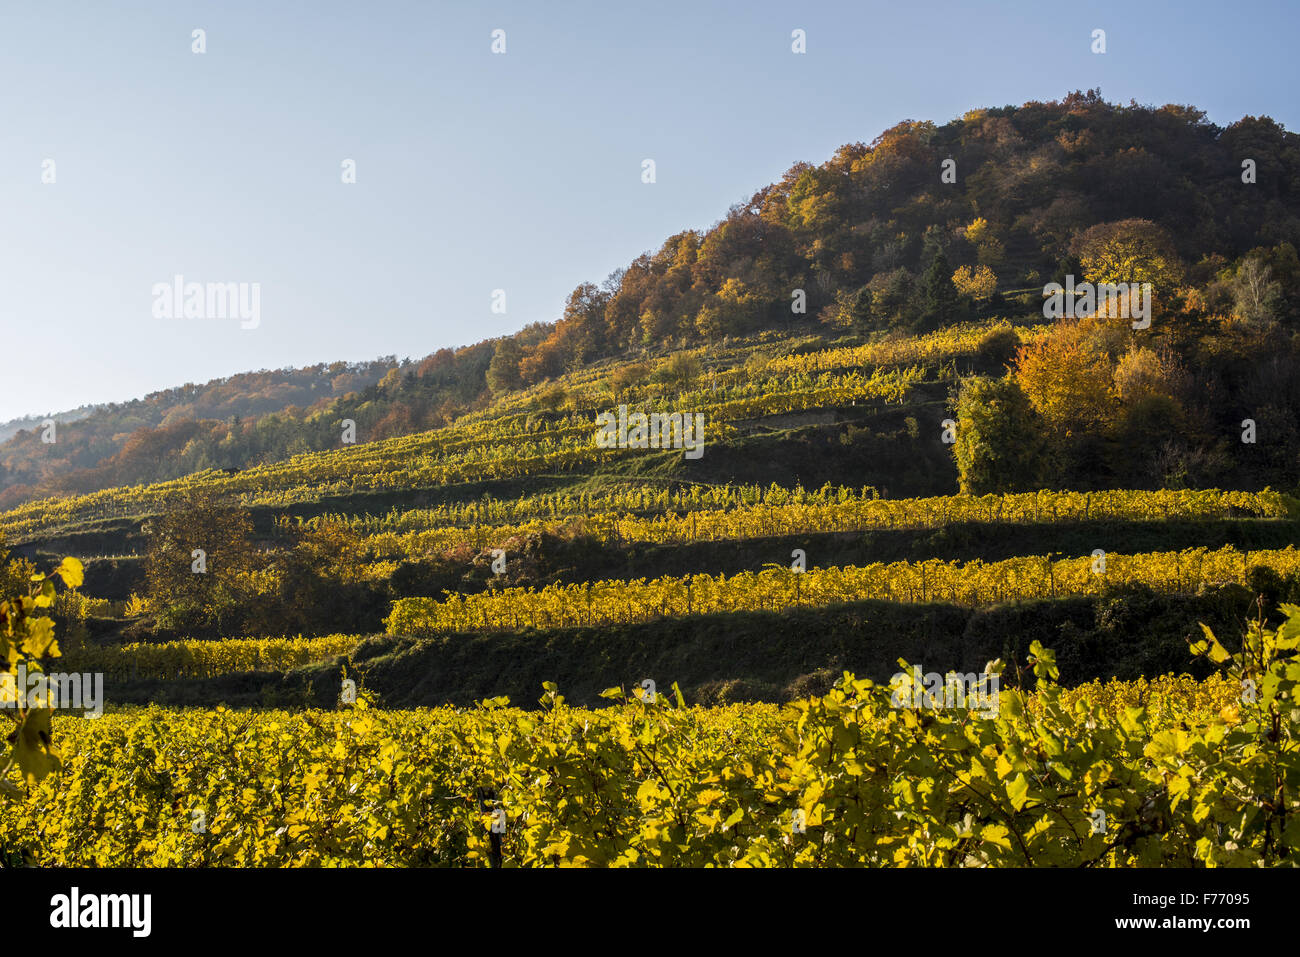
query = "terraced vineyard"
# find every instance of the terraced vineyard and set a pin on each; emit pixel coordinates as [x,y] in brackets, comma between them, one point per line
[201,659]
[516,438]
[934,503]
[717,514]
[1018,579]
[508,555]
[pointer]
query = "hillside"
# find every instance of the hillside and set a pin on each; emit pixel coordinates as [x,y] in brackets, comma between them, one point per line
[873,458]
[808,447]
[872,240]
[729,555]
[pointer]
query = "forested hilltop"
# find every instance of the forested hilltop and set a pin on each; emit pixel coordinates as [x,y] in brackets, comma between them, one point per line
[928,227]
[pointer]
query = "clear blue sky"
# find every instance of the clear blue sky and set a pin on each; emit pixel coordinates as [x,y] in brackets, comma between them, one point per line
[476,171]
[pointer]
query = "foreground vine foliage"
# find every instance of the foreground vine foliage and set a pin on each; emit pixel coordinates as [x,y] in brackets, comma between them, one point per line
[1206,774]
[27,642]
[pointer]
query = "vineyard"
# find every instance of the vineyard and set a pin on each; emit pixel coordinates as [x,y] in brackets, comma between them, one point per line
[725,514]
[934,504]
[517,437]
[1092,777]
[510,447]
[973,583]
[791,762]
[206,659]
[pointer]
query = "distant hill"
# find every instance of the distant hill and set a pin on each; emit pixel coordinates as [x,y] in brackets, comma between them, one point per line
[107,442]
[29,422]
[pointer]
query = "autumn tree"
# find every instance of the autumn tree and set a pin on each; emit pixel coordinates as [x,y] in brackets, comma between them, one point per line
[891,293]
[503,371]
[988,248]
[1130,251]
[628,377]
[1000,444]
[849,311]
[1068,379]
[582,329]
[997,348]
[544,361]
[320,585]
[735,309]
[679,371]
[978,283]
[1143,372]
[199,562]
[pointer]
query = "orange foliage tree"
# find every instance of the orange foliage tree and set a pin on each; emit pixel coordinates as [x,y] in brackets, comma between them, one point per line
[1069,380]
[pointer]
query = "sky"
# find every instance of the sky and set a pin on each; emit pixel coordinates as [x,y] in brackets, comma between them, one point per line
[476,171]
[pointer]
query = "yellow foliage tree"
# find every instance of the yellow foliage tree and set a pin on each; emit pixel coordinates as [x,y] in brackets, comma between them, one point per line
[976,283]
[1142,373]
[978,231]
[988,247]
[1130,251]
[1068,379]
